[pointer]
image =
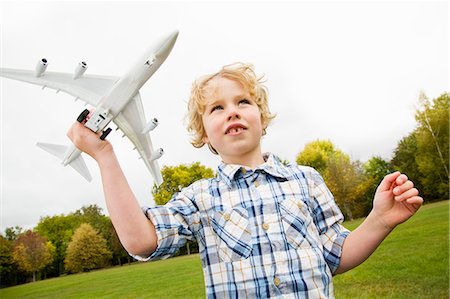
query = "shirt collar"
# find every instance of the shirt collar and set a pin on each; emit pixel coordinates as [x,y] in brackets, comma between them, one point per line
[228,173]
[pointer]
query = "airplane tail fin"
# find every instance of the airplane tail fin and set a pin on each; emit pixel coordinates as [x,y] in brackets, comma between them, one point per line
[60,151]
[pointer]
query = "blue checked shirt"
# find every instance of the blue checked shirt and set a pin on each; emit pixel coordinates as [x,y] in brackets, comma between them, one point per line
[273,231]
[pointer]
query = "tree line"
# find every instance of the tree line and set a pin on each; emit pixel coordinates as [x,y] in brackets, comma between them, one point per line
[85,239]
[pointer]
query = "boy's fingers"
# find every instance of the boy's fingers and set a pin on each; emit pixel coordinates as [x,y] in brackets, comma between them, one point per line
[388,181]
[401,179]
[403,188]
[408,194]
[415,200]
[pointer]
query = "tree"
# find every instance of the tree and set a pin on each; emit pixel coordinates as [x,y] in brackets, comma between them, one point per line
[343,179]
[11,233]
[8,270]
[404,159]
[432,137]
[32,252]
[58,229]
[316,154]
[342,176]
[374,170]
[87,250]
[177,177]
[424,154]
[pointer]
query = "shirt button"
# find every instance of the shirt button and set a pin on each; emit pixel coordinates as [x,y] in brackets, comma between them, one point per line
[243,170]
[257,183]
[265,226]
[226,216]
[276,281]
[299,204]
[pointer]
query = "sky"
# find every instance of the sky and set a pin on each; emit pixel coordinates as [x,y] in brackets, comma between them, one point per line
[347,71]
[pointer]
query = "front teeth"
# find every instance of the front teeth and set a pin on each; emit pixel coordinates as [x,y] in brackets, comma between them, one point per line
[234,130]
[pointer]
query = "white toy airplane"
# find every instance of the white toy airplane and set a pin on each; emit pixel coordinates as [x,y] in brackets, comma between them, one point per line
[115,99]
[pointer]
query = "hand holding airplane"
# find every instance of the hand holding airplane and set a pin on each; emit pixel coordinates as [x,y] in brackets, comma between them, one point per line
[115,99]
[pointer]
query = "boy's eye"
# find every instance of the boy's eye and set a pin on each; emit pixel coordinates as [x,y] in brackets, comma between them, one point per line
[244,101]
[217,107]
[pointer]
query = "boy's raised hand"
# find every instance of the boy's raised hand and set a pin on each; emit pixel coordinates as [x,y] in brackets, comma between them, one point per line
[396,199]
[87,141]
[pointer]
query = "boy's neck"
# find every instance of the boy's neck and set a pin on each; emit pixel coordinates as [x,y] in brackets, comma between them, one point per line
[252,160]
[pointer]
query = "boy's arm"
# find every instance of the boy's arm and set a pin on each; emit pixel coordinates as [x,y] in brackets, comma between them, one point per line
[135,231]
[396,200]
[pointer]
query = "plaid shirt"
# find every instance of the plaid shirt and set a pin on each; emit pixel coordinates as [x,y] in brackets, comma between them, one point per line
[273,231]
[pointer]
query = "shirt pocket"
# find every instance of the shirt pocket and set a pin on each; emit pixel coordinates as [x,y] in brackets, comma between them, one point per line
[233,234]
[297,222]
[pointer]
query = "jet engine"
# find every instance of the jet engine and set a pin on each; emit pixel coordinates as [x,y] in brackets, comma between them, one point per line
[80,69]
[41,66]
[152,124]
[156,154]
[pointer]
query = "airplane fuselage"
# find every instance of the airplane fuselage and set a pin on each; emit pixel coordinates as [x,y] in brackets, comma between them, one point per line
[124,90]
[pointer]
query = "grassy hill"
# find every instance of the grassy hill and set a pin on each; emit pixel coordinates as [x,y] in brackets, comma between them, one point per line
[413,262]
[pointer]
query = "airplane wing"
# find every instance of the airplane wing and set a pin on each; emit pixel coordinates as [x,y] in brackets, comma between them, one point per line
[88,88]
[131,120]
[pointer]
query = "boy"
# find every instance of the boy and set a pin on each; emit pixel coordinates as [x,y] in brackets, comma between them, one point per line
[264,229]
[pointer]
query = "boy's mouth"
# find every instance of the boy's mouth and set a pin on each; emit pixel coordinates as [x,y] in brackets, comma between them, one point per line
[235,129]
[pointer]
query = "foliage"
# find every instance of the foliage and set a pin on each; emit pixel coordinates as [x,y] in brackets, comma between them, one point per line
[59,229]
[316,154]
[87,250]
[343,179]
[32,252]
[11,233]
[424,154]
[8,269]
[374,170]
[342,176]
[177,177]
[433,144]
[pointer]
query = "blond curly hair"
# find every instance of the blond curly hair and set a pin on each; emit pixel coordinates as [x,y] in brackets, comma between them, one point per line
[244,74]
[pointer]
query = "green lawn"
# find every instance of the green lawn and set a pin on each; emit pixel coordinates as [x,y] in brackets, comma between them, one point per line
[413,262]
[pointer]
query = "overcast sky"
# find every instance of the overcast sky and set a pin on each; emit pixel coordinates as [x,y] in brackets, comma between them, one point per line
[350,72]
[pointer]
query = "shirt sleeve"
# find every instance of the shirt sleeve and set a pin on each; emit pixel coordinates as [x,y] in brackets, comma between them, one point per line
[175,223]
[328,219]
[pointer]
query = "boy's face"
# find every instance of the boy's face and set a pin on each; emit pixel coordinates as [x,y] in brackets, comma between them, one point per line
[232,122]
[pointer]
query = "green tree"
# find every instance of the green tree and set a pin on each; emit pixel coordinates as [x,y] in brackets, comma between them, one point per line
[87,250]
[404,159]
[11,233]
[177,177]
[32,252]
[58,229]
[432,137]
[316,154]
[342,176]
[8,270]
[423,155]
[374,170]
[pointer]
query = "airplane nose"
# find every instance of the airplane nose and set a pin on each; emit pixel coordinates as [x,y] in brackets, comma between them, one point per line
[166,44]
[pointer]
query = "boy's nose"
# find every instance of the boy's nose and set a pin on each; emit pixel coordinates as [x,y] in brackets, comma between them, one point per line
[233,113]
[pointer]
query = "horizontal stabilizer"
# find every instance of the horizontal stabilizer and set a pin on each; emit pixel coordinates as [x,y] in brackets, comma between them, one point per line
[54,149]
[60,151]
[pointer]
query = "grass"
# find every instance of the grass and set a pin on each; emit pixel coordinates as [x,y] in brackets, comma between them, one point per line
[413,262]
